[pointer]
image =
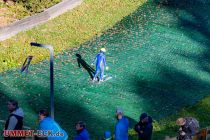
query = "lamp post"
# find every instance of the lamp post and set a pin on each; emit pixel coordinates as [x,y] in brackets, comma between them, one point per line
[51,75]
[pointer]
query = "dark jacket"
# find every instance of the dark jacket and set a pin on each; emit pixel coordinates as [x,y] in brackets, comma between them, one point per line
[82,135]
[189,128]
[14,122]
[144,130]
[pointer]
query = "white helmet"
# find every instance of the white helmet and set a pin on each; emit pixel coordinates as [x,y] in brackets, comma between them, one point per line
[103,50]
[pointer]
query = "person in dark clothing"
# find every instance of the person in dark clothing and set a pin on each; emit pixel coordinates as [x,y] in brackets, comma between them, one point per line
[82,133]
[15,119]
[144,127]
[82,63]
[189,127]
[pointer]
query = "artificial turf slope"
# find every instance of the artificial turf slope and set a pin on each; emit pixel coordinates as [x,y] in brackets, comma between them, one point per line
[158,57]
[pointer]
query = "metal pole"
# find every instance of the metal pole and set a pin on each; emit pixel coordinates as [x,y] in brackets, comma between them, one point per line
[51,75]
[51,83]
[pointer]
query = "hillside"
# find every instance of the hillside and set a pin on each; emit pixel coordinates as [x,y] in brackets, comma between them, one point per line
[11,11]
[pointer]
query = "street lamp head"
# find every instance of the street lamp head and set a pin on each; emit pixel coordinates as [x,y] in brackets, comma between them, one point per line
[35,44]
[41,45]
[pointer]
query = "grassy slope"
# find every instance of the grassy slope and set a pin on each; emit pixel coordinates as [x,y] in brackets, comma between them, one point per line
[167,126]
[199,111]
[12,11]
[8,14]
[67,31]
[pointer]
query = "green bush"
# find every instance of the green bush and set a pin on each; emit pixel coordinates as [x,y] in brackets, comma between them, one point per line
[36,6]
[19,9]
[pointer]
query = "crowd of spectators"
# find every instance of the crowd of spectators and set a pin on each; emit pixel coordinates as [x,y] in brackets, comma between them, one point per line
[188,126]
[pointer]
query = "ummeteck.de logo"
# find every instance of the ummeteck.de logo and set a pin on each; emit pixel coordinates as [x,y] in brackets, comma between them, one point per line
[32,133]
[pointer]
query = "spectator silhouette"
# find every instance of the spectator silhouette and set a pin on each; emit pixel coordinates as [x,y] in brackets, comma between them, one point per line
[82,63]
[107,135]
[82,133]
[47,124]
[121,127]
[15,119]
[144,127]
[189,127]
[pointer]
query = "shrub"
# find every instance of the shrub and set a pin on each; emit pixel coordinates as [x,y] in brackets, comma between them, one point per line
[36,6]
[23,8]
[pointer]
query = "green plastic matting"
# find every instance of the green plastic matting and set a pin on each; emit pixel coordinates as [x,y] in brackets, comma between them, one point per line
[159,59]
